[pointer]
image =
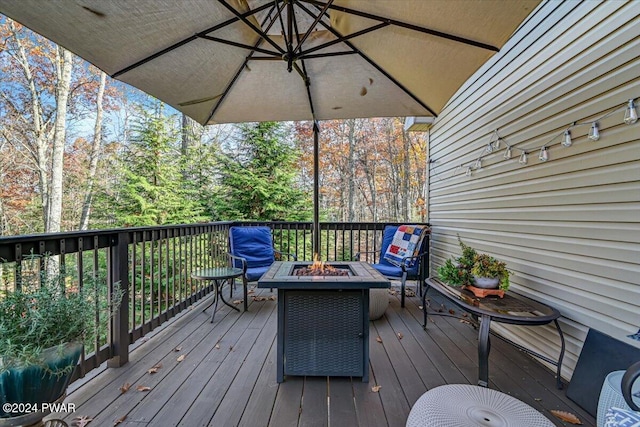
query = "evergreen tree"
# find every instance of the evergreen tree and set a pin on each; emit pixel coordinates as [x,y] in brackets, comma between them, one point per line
[258,177]
[152,190]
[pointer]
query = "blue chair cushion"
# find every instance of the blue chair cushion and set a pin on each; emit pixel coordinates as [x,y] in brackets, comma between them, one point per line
[254,274]
[388,270]
[255,244]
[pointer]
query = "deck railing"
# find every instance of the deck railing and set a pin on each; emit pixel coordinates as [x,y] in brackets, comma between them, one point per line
[154,265]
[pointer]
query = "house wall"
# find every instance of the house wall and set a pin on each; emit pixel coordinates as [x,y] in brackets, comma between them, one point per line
[568,228]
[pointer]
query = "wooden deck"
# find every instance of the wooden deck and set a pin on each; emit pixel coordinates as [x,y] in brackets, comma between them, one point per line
[228,374]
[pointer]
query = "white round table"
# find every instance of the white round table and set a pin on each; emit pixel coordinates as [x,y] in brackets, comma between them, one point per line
[463,405]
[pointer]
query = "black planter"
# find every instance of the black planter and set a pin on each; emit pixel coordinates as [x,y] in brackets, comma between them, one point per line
[37,384]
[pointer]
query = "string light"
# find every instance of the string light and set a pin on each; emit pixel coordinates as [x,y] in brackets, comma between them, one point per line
[630,114]
[630,117]
[523,158]
[544,154]
[496,143]
[594,132]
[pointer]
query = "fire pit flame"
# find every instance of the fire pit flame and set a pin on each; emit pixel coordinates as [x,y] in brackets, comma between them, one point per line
[319,268]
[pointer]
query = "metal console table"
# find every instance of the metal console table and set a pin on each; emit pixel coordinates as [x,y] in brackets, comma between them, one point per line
[323,321]
[512,309]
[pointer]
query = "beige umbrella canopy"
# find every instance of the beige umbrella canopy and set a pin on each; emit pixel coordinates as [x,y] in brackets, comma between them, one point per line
[231,61]
[221,61]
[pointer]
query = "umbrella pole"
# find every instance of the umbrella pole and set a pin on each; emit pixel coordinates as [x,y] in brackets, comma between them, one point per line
[316,194]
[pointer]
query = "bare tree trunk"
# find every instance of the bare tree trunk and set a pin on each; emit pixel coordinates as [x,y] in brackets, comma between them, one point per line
[95,154]
[38,149]
[406,174]
[63,67]
[351,186]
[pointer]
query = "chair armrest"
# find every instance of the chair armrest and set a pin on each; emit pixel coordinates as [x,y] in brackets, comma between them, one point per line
[629,377]
[288,254]
[405,261]
[356,256]
[243,260]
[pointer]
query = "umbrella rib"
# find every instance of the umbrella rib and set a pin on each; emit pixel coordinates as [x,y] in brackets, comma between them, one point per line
[248,23]
[244,46]
[374,64]
[187,40]
[235,77]
[342,39]
[325,55]
[304,74]
[405,25]
[308,33]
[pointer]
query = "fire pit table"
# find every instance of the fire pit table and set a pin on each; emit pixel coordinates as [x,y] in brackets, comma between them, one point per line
[323,319]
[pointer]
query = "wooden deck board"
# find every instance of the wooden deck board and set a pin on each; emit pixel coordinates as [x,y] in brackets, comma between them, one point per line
[234,382]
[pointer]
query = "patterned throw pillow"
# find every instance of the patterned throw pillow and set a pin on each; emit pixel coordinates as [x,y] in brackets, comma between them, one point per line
[617,417]
[406,243]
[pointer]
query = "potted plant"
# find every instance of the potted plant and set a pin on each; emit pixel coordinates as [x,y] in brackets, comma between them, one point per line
[475,269]
[42,329]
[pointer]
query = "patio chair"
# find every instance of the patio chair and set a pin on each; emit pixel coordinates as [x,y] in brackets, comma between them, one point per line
[251,249]
[414,267]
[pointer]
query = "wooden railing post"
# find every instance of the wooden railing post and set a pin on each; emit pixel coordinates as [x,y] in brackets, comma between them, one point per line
[118,264]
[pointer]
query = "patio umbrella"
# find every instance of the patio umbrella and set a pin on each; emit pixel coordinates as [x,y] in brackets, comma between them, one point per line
[230,61]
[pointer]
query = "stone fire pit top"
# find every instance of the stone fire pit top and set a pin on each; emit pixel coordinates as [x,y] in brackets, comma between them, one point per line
[280,275]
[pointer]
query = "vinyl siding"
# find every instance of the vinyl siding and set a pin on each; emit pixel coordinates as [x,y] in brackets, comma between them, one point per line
[568,228]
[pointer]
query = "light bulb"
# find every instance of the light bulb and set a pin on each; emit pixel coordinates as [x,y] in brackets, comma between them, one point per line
[496,144]
[544,154]
[489,148]
[468,172]
[478,164]
[567,138]
[594,132]
[507,152]
[523,158]
[630,114]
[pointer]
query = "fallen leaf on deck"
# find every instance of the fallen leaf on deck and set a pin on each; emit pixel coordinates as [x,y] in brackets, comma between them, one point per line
[81,421]
[379,339]
[465,314]
[566,416]
[272,298]
[238,301]
[191,307]
[251,291]
[452,311]
[255,298]
[181,358]
[409,293]
[120,420]
[363,91]
[400,335]
[420,307]
[537,399]
[178,348]
[376,388]
[155,369]
[125,388]
[217,346]
[465,321]
[143,388]
[144,339]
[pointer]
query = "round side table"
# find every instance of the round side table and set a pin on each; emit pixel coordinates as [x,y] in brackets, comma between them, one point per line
[463,405]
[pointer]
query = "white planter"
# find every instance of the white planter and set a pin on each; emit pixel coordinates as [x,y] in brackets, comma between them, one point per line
[486,282]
